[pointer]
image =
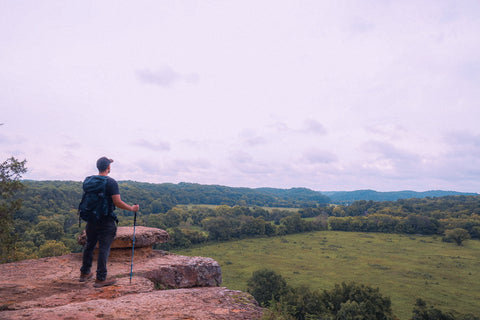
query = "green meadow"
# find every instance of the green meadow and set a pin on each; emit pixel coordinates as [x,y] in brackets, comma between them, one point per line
[404,267]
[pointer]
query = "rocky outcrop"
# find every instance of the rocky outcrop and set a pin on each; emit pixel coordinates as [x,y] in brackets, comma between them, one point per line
[144,237]
[163,286]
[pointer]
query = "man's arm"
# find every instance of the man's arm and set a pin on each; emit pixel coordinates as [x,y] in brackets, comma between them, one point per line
[117,201]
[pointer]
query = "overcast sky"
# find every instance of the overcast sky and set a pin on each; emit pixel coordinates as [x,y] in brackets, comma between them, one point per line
[328,95]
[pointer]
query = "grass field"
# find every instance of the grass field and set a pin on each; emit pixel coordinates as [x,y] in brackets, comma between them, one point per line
[403,267]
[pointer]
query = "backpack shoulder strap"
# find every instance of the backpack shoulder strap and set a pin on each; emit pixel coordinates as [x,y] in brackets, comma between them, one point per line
[78,210]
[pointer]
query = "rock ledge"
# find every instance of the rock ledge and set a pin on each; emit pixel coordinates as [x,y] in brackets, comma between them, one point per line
[48,288]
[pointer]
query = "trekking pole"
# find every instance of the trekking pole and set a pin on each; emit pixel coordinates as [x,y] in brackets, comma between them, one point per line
[133,246]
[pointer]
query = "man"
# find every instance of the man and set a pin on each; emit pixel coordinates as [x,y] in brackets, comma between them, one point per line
[103,230]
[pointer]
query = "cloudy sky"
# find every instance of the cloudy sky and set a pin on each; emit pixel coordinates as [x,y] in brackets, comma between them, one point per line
[328,95]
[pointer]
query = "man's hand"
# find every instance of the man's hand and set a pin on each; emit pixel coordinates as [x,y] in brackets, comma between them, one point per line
[135,208]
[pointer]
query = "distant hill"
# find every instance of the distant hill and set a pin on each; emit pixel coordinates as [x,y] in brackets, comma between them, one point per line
[61,196]
[351,196]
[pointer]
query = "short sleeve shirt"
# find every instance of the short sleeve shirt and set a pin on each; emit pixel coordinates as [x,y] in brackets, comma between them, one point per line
[111,190]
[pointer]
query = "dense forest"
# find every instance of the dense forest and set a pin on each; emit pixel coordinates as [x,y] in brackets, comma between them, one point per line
[347,197]
[47,222]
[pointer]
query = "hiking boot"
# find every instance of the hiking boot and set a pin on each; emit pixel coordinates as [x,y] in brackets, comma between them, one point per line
[104,283]
[85,276]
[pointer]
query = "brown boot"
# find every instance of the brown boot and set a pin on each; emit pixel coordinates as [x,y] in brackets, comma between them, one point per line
[104,283]
[85,276]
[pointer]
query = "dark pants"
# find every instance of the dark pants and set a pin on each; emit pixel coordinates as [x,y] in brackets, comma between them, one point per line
[102,232]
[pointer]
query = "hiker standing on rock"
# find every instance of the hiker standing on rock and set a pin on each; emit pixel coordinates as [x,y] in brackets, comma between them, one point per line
[100,197]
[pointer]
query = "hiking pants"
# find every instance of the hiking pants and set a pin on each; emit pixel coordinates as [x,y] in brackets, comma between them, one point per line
[103,232]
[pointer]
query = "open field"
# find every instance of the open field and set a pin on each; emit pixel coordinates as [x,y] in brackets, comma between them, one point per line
[403,267]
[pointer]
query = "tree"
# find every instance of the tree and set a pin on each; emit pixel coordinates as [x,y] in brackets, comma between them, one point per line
[219,228]
[50,229]
[352,301]
[52,248]
[422,312]
[11,171]
[294,223]
[253,226]
[266,285]
[458,235]
[303,303]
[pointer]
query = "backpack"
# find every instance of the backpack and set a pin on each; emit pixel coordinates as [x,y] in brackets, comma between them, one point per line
[94,204]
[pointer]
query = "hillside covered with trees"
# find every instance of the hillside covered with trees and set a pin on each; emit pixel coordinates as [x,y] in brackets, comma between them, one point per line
[47,221]
[348,197]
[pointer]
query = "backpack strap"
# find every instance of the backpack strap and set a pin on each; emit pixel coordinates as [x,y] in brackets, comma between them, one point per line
[78,211]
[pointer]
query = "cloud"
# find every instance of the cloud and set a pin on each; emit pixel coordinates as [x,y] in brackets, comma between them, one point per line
[387,150]
[461,159]
[319,156]
[385,160]
[360,25]
[251,138]
[172,169]
[386,129]
[245,163]
[463,141]
[165,77]
[313,126]
[9,139]
[155,146]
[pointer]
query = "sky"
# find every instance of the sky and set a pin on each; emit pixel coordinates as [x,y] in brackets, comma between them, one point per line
[329,95]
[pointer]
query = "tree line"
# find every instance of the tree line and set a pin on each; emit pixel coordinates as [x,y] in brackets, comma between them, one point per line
[46,222]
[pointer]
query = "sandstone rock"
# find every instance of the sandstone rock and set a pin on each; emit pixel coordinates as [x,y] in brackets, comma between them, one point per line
[144,237]
[48,288]
[182,272]
[199,303]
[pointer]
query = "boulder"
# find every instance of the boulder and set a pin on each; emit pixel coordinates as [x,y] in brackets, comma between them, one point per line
[144,237]
[121,248]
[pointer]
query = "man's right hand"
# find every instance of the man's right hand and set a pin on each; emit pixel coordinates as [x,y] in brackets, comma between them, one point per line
[135,208]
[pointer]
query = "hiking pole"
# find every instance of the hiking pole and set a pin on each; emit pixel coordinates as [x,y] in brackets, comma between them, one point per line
[133,246]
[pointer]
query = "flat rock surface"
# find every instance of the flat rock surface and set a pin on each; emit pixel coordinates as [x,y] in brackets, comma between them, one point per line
[194,303]
[48,288]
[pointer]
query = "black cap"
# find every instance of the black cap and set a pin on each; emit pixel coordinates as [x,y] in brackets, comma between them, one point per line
[103,163]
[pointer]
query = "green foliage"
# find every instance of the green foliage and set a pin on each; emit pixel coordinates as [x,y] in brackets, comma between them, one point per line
[410,216]
[58,196]
[352,301]
[50,229]
[25,250]
[11,171]
[347,197]
[422,311]
[457,235]
[266,285]
[220,228]
[52,248]
[345,301]
[303,303]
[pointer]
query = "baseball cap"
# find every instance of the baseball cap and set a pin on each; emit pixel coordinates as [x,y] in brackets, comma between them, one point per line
[103,163]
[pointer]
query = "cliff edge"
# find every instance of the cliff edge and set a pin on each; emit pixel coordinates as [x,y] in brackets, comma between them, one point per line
[163,286]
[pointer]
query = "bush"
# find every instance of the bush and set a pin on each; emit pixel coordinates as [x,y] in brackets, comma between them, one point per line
[352,301]
[266,285]
[52,248]
[457,235]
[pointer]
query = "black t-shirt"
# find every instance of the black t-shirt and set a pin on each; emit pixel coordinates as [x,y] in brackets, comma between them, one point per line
[111,189]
